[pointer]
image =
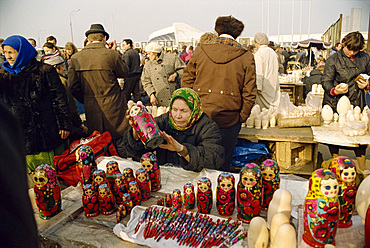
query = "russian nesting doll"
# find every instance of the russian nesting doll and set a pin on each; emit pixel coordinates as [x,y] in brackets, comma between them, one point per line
[134,193]
[85,164]
[126,200]
[90,200]
[270,180]
[99,178]
[112,169]
[189,196]
[121,212]
[160,202]
[204,195]
[176,199]
[168,200]
[129,175]
[142,179]
[321,209]
[345,170]
[120,187]
[149,163]
[249,193]
[47,191]
[225,201]
[106,200]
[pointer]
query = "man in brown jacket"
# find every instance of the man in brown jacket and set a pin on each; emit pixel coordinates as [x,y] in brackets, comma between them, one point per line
[223,74]
[92,79]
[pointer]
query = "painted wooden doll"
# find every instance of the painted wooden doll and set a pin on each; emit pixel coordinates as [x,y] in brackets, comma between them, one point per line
[345,170]
[99,178]
[120,187]
[126,200]
[134,193]
[225,201]
[90,200]
[111,170]
[270,180]
[249,194]
[321,209]
[142,179]
[189,196]
[129,175]
[168,200]
[160,202]
[204,195]
[121,212]
[106,200]
[176,199]
[149,163]
[47,191]
[85,164]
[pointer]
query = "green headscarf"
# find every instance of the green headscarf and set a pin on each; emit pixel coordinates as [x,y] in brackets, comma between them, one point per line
[193,101]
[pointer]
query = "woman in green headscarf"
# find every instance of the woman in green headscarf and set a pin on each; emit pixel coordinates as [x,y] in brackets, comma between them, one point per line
[192,139]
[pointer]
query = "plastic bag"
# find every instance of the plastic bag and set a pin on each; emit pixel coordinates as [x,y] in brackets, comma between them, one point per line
[245,151]
[285,105]
[313,101]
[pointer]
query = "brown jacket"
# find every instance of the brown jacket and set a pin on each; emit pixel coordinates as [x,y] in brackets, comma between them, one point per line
[224,76]
[92,80]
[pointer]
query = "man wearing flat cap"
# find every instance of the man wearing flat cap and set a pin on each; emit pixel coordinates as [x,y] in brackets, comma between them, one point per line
[92,80]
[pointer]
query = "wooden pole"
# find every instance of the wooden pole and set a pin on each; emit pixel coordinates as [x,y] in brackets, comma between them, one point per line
[339,29]
[368,37]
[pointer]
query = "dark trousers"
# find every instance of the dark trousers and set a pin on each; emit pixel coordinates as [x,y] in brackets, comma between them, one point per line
[120,147]
[131,85]
[229,139]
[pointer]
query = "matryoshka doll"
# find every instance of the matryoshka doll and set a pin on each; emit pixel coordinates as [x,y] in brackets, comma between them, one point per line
[90,200]
[176,199]
[345,170]
[99,178]
[85,164]
[249,193]
[120,187]
[129,175]
[321,209]
[135,194]
[47,191]
[270,180]
[225,192]
[149,163]
[112,169]
[106,199]
[121,212]
[204,195]
[168,200]
[126,200]
[189,196]
[142,179]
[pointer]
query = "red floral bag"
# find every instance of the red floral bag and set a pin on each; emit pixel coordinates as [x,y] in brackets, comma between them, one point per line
[65,164]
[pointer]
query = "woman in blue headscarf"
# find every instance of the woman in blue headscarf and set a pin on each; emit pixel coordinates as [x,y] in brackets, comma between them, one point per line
[36,96]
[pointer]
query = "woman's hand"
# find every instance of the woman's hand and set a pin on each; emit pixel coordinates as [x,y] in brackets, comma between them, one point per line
[362,83]
[172,144]
[64,134]
[129,118]
[341,89]
[153,100]
[172,77]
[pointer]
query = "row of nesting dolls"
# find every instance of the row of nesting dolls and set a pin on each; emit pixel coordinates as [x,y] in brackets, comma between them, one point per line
[255,189]
[330,201]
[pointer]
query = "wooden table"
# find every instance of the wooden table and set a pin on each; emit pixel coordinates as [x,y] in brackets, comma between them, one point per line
[295,149]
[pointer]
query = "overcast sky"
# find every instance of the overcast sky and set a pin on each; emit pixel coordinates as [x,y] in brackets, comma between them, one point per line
[136,19]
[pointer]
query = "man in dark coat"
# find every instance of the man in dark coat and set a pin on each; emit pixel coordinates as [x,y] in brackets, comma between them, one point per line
[132,60]
[92,79]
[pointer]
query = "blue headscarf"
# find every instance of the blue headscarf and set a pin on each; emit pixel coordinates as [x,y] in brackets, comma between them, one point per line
[25,50]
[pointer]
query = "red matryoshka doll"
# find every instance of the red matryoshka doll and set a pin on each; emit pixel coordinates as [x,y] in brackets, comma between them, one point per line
[249,194]
[270,180]
[321,209]
[99,178]
[85,164]
[134,193]
[149,163]
[112,169]
[126,200]
[168,200]
[106,199]
[345,170]
[204,195]
[47,191]
[225,201]
[176,199]
[120,187]
[129,175]
[90,200]
[189,196]
[121,212]
[142,179]
[160,202]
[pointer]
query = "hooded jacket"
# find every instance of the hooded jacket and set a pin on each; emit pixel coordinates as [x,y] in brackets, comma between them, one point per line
[223,74]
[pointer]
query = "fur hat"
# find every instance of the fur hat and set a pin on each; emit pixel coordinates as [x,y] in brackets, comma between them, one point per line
[153,47]
[261,39]
[96,28]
